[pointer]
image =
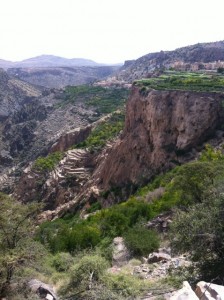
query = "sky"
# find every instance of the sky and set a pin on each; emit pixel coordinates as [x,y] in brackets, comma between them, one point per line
[106,31]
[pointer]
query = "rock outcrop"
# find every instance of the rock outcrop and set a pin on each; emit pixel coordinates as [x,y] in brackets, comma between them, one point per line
[186,293]
[120,253]
[44,291]
[209,291]
[161,129]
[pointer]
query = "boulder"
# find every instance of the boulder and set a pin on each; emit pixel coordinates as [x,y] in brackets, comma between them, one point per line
[158,256]
[186,293]
[43,290]
[209,291]
[120,254]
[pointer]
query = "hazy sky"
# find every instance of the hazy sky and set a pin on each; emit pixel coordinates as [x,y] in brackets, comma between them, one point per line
[107,31]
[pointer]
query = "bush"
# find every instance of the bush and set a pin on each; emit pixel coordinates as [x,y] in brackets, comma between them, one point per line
[62,261]
[83,237]
[141,241]
[87,273]
[114,224]
[45,164]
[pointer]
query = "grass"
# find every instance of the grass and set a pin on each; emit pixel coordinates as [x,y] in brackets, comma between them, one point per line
[183,81]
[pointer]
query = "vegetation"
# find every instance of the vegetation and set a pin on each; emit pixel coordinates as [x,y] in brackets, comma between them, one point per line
[104,132]
[73,235]
[200,231]
[17,249]
[194,191]
[171,80]
[46,164]
[141,241]
[103,100]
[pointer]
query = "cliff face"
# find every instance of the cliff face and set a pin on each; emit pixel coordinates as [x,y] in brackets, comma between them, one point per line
[160,127]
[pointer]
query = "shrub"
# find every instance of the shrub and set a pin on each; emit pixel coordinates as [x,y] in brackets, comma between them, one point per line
[45,164]
[141,241]
[114,224]
[88,272]
[83,237]
[62,261]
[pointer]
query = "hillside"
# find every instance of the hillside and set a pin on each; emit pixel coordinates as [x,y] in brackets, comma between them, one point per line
[204,56]
[59,77]
[113,193]
[46,61]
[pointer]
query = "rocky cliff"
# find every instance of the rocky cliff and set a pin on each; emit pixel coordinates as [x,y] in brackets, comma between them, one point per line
[162,128]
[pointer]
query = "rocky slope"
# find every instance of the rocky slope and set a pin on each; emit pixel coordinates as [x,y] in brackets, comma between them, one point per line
[162,130]
[205,56]
[59,77]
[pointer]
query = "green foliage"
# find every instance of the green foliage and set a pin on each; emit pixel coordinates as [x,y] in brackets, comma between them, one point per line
[87,273]
[67,235]
[62,261]
[104,132]
[211,154]
[89,279]
[115,223]
[186,184]
[183,81]
[17,248]
[94,207]
[104,100]
[127,286]
[46,164]
[141,241]
[200,231]
[83,236]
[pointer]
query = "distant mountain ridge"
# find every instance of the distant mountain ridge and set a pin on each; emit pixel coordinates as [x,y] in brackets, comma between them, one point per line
[207,56]
[46,61]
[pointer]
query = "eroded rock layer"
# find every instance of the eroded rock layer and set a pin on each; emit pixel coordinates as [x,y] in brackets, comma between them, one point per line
[160,128]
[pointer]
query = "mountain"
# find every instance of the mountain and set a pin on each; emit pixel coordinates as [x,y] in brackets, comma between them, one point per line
[202,56]
[59,77]
[45,61]
[5,64]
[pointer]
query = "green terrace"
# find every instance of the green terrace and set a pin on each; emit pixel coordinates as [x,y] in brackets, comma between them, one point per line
[105,100]
[104,132]
[170,80]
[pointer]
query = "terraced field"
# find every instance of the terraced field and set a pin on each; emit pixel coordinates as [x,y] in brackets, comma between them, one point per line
[170,80]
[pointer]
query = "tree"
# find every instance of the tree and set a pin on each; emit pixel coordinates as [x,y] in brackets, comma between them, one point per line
[200,231]
[17,248]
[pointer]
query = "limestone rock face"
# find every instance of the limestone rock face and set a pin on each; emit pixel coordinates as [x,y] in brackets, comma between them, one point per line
[120,252]
[207,291]
[186,293]
[160,127]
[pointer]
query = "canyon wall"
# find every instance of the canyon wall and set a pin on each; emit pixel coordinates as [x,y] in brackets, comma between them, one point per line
[161,128]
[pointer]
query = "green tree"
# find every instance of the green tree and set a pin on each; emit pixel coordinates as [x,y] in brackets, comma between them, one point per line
[200,231]
[17,248]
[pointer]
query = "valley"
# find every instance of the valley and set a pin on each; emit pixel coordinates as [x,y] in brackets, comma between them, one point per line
[118,173]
